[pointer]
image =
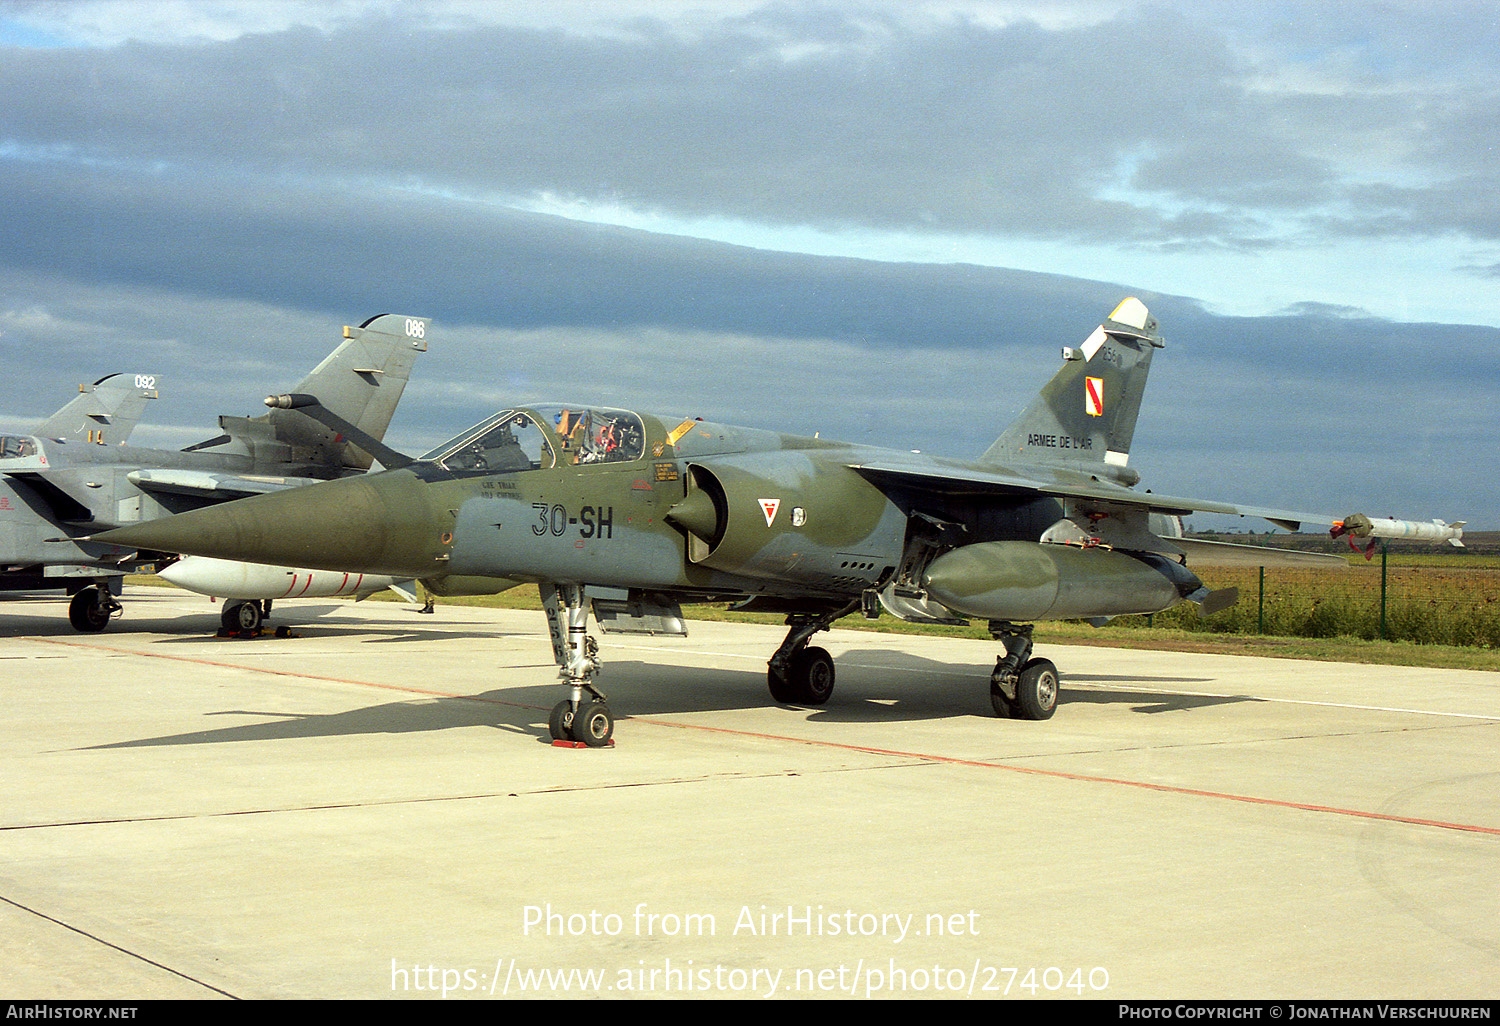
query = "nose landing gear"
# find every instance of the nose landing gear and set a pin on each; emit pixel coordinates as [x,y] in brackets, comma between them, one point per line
[576,720]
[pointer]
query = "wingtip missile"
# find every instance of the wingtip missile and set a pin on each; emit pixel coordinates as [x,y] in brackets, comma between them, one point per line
[1357,525]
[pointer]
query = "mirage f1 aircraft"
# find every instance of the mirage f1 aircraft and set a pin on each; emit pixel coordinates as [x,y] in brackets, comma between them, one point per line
[630,515]
[74,476]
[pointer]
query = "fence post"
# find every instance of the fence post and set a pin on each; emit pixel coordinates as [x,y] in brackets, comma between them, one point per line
[1383,636]
[1260,618]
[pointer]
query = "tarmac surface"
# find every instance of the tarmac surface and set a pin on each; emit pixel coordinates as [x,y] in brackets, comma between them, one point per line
[372,809]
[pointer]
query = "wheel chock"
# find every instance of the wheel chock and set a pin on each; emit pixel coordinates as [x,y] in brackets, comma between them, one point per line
[259,632]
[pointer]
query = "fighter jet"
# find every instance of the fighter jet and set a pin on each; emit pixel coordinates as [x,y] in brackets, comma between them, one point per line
[630,515]
[74,476]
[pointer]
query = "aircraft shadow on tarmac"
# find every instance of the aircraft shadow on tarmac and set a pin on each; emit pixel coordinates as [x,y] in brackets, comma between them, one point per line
[874,687]
[316,624]
[879,684]
[387,718]
[19,619]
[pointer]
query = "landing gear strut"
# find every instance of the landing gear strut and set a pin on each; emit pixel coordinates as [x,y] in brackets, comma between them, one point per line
[585,720]
[1021,687]
[799,674]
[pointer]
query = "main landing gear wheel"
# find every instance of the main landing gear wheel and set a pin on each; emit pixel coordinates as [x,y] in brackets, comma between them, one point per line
[1036,691]
[89,610]
[1021,687]
[808,680]
[799,673]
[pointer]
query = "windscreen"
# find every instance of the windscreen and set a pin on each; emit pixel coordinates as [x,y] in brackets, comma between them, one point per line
[542,437]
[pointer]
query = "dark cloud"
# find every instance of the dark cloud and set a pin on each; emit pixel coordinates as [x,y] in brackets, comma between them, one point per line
[471,264]
[1334,405]
[214,212]
[793,116]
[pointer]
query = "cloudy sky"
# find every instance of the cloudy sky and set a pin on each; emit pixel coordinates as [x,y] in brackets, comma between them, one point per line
[877,220]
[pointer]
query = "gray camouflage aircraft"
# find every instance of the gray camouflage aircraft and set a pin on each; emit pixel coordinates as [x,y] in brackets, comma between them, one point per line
[74,476]
[629,515]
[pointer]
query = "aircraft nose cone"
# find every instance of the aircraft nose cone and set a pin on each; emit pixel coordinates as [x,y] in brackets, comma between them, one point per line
[371,524]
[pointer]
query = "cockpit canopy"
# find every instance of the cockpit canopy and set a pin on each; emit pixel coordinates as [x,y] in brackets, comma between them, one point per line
[14,446]
[540,437]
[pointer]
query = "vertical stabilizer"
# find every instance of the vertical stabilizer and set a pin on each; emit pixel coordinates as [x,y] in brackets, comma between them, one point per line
[103,413]
[361,381]
[1084,418]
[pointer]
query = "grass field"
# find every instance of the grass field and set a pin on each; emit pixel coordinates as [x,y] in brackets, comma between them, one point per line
[1437,600]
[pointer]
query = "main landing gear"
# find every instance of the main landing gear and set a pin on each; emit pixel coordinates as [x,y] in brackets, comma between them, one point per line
[583,718]
[1021,688]
[799,674]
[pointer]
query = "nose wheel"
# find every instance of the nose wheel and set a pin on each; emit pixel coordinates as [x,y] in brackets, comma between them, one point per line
[591,724]
[583,718]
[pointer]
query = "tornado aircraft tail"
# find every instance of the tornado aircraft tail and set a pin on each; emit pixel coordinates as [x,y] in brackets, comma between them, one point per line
[360,382]
[103,413]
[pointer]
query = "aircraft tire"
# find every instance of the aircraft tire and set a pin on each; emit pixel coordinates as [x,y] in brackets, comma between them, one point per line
[999,702]
[85,612]
[241,617]
[1036,690]
[560,720]
[593,725]
[782,691]
[812,675]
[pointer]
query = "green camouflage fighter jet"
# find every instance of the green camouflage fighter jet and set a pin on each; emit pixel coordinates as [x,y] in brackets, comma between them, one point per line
[629,515]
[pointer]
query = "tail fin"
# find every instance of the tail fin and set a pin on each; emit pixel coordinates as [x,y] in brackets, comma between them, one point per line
[1085,416]
[104,412]
[361,381]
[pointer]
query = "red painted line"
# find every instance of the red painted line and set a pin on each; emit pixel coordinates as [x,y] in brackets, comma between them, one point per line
[947,760]
[1090,778]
